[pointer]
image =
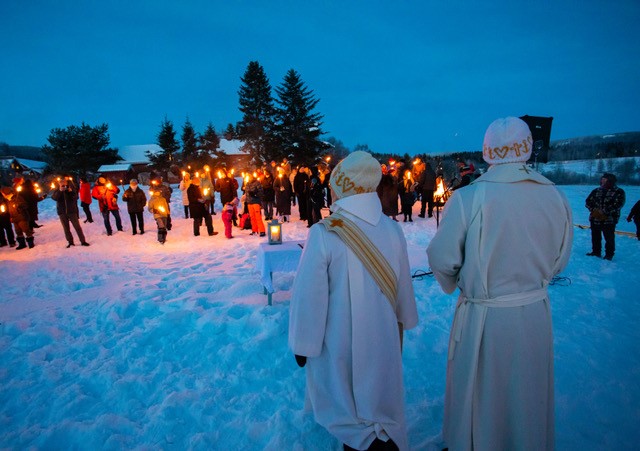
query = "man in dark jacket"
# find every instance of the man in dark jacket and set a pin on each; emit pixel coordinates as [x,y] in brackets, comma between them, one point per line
[426,186]
[136,200]
[66,197]
[268,194]
[31,194]
[197,209]
[300,187]
[19,213]
[605,204]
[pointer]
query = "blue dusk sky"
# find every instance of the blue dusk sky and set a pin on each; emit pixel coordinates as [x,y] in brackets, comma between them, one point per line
[399,76]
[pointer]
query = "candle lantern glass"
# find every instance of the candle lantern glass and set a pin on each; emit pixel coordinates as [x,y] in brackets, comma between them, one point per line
[274,232]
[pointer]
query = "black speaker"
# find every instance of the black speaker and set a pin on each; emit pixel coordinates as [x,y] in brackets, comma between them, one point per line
[541,133]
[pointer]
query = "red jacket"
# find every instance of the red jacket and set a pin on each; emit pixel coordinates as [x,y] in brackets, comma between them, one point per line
[106,195]
[85,192]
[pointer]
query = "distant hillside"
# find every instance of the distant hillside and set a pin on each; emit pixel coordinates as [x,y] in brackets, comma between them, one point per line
[26,152]
[616,145]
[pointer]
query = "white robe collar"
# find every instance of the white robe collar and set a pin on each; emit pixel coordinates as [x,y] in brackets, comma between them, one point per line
[511,173]
[365,206]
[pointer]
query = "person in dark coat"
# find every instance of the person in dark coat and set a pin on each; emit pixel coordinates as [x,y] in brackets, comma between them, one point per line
[316,198]
[634,215]
[227,186]
[605,204]
[197,209]
[106,193]
[283,190]
[136,200]
[268,194]
[426,187]
[19,213]
[388,193]
[32,197]
[7,237]
[66,197]
[300,187]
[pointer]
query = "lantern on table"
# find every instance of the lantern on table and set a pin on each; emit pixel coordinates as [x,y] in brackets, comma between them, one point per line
[274,232]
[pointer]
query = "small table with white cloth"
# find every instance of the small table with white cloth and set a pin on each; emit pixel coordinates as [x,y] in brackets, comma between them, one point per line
[277,257]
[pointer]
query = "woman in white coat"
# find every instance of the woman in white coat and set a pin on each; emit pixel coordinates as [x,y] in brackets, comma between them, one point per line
[501,241]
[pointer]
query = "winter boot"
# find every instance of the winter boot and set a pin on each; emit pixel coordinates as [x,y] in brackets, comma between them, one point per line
[21,243]
[30,242]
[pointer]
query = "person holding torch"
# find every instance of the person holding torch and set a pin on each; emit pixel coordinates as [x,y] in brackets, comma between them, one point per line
[66,198]
[160,209]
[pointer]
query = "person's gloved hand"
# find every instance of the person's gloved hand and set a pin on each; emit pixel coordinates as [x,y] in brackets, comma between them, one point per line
[301,360]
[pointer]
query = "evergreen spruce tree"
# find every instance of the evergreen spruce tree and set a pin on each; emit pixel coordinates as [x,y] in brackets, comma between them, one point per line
[298,126]
[78,150]
[257,127]
[209,146]
[230,132]
[167,141]
[189,143]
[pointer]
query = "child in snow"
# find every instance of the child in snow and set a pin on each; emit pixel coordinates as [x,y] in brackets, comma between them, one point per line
[407,191]
[229,211]
[158,206]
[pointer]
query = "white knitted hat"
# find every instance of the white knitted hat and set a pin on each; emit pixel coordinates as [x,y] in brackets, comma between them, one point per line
[507,140]
[356,174]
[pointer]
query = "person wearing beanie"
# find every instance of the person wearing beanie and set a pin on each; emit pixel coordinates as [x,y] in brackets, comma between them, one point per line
[136,200]
[352,297]
[604,204]
[501,240]
[19,214]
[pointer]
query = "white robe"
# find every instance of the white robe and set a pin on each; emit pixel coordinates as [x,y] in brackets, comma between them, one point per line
[501,240]
[344,324]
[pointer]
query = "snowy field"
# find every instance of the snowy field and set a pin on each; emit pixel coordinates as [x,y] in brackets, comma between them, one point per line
[129,344]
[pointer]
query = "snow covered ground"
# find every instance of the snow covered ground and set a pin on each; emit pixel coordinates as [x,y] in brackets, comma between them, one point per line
[129,344]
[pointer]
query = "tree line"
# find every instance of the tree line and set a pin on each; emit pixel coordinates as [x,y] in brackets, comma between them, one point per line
[273,127]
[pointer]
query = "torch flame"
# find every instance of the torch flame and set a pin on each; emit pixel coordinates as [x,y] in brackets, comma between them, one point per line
[2,208]
[441,194]
[161,209]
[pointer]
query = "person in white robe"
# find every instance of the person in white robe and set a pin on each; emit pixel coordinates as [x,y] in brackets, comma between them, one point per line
[501,241]
[344,327]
